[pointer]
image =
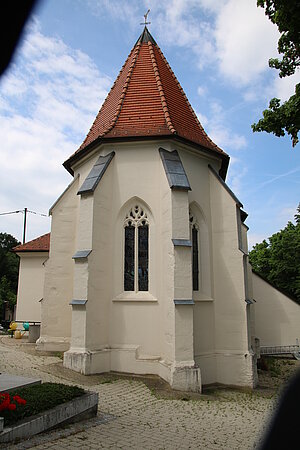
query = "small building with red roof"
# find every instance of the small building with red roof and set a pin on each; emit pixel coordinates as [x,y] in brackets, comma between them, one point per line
[148,270]
[33,256]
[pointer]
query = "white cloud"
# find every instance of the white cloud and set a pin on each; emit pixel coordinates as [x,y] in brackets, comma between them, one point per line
[226,138]
[287,213]
[236,178]
[233,35]
[245,40]
[201,91]
[47,104]
[13,85]
[255,238]
[118,9]
[285,87]
[212,5]
[202,119]
[183,16]
[281,88]
[219,131]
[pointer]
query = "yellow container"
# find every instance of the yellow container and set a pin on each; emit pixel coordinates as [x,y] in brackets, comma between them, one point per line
[13,326]
[18,334]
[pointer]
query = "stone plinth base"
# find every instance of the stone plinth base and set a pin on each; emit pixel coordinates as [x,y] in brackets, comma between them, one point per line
[186,378]
[128,360]
[237,369]
[34,333]
[52,344]
[87,362]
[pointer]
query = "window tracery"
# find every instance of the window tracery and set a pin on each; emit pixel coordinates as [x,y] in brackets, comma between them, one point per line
[136,254]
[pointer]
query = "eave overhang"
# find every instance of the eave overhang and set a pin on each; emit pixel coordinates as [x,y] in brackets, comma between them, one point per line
[31,251]
[76,157]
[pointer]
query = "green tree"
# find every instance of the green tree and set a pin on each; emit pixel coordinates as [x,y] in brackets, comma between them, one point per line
[297,215]
[278,261]
[9,270]
[6,293]
[284,118]
[260,257]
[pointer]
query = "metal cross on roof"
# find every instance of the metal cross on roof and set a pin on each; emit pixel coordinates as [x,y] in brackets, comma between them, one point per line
[145,18]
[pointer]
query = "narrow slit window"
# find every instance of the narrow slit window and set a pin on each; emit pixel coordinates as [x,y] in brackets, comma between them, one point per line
[195,259]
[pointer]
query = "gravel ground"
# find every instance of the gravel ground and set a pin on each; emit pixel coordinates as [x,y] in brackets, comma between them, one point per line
[146,414]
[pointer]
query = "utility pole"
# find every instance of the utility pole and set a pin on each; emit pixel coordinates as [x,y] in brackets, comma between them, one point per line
[23,211]
[24,228]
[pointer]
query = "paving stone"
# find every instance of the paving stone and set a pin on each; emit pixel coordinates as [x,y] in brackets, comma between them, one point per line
[131,417]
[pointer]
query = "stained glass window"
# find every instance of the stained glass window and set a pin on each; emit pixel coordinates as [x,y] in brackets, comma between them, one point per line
[129,259]
[195,259]
[136,254]
[143,257]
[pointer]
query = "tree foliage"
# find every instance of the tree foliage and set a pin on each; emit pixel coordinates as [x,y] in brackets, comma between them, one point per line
[9,269]
[285,117]
[278,261]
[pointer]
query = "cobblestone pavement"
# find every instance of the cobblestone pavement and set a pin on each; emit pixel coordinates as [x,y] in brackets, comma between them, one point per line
[130,416]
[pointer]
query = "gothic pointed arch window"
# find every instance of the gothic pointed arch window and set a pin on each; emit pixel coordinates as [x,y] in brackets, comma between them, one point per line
[199,235]
[194,227]
[136,250]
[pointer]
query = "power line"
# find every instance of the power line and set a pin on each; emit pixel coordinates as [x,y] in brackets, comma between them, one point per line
[11,212]
[37,213]
[23,211]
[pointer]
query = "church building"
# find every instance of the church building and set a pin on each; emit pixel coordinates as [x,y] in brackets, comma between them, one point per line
[148,270]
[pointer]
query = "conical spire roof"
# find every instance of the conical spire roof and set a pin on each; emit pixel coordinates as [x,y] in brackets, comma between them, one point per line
[146,101]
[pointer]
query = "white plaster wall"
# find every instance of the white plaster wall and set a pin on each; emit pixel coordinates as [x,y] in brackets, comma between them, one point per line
[234,363]
[277,317]
[204,340]
[244,231]
[222,329]
[221,324]
[30,286]
[118,319]
[58,287]
[248,288]
[100,265]
[196,167]
[184,332]
[139,173]
[145,324]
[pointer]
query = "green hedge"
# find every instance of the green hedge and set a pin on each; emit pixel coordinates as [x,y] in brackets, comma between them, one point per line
[39,397]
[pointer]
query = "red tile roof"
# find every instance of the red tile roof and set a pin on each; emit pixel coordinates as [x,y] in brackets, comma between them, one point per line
[40,244]
[146,100]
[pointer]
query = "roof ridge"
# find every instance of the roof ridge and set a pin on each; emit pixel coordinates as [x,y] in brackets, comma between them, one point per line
[146,100]
[106,100]
[186,99]
[125,87]
[146,36]
[161,90]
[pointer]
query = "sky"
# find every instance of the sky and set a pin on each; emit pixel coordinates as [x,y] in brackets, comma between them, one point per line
[69,56]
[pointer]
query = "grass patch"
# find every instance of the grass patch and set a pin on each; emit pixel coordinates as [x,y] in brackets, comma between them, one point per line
[106,381]
[39,398]
[271,365]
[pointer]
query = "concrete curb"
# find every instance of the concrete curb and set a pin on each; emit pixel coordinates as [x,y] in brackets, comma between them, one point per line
[77,409]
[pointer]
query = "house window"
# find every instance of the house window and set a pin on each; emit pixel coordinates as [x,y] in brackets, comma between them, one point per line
[136,250]
[194,229]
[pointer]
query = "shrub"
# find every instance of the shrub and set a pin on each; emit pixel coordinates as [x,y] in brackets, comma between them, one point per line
[39,398]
